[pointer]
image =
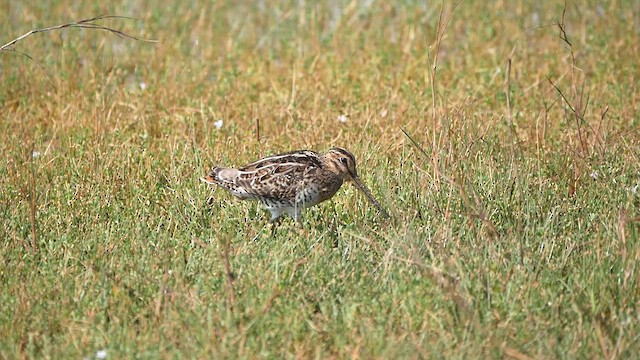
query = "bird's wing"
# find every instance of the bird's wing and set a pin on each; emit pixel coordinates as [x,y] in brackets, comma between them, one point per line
[280,176]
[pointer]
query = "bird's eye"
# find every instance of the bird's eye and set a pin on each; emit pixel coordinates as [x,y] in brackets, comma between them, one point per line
[343,160]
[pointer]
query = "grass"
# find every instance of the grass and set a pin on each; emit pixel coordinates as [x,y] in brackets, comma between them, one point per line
[515,219]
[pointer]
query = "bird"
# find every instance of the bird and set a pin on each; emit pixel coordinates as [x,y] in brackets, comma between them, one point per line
[289,182]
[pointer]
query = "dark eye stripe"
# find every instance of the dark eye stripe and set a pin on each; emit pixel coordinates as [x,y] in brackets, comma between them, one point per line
[345,153]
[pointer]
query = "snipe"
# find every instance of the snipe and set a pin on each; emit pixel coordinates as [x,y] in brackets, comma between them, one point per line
[287,183]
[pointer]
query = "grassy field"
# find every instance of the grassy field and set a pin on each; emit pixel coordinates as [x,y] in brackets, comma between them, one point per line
[514,193]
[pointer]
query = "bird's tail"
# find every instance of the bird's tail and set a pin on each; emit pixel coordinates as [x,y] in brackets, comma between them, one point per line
[212,176]
[220,175]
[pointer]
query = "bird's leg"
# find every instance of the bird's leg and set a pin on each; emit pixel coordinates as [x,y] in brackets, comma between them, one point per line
[276,215]
[273,224]
[296,214]
[298,217]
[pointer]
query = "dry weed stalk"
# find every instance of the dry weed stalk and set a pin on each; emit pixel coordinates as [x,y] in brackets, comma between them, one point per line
[442,25]
[83,24]
[578,109]
[230,277]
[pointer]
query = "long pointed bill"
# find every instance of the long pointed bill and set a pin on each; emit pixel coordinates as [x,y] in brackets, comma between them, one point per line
[366,191]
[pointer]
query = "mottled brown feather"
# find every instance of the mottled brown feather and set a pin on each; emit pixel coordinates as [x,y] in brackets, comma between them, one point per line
[290,181]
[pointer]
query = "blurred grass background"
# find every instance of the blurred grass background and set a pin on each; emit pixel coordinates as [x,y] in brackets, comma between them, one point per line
[515,230]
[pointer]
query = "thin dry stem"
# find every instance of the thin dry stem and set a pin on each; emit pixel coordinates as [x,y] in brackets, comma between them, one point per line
[507,90]
[442,25]
[32,204]
[257,129]
[580,109]
[83,24]
[229,275]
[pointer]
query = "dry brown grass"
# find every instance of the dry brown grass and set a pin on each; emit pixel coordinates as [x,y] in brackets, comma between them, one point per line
[516,231]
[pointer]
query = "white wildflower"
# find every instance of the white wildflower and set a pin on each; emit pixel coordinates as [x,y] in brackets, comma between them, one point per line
[535,19]
[594,175]
[143,85]
[218,124]
[634,189]
[343,118]
[101,354]
[35,154]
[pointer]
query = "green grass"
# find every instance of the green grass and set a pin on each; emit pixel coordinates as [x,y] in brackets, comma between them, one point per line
[506,241]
